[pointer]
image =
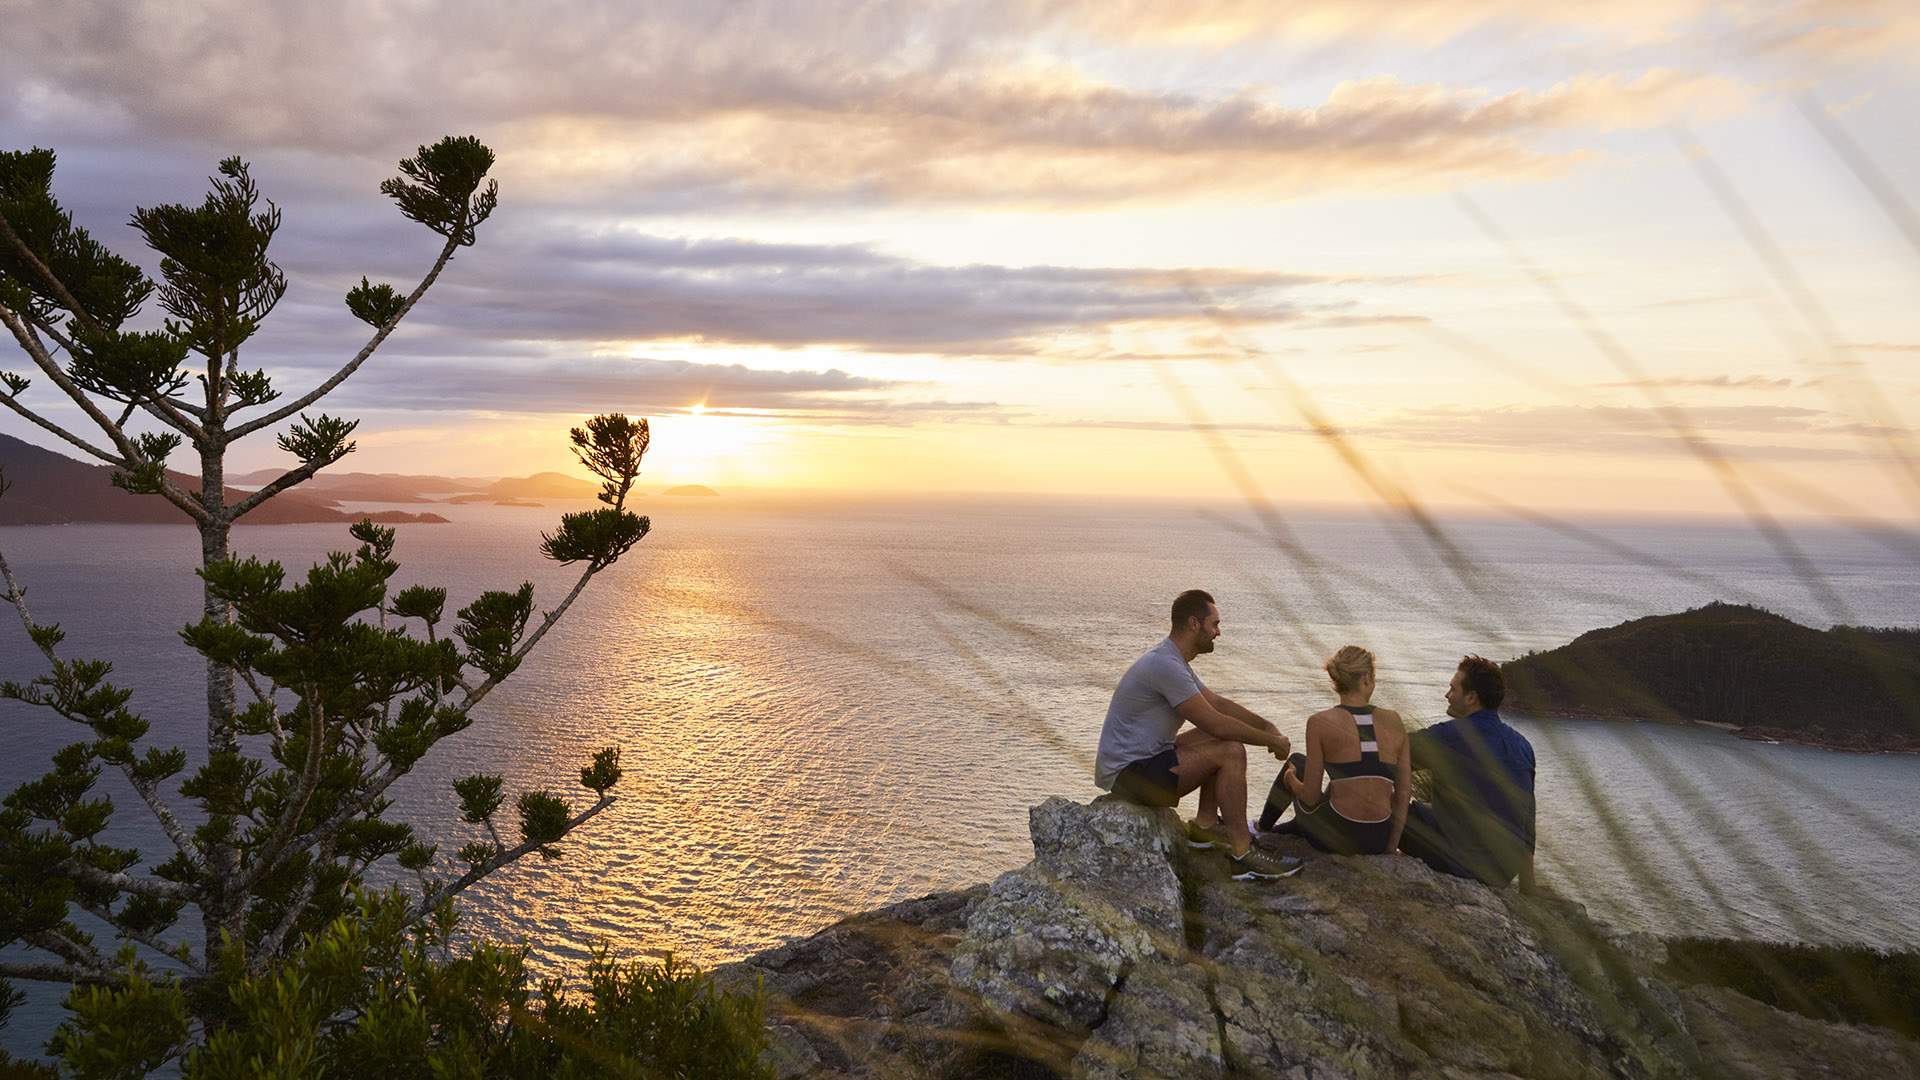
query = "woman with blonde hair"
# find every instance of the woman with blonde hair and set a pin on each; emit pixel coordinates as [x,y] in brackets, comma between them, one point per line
[1361,755]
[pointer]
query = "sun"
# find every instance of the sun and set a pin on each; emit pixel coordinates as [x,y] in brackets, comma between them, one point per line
[699,408]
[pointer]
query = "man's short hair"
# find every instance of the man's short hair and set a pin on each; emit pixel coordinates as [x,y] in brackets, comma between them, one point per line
[1483,677]
[1191,604]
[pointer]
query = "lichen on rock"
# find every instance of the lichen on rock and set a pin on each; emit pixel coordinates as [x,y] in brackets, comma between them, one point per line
[1119,953]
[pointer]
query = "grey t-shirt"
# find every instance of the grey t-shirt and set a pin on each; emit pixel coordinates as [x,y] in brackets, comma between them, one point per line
[1140,718]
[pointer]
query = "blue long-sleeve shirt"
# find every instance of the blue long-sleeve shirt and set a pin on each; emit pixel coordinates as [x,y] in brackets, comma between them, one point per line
[1482,773]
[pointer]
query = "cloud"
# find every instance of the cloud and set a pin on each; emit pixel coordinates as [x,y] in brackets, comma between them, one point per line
[1609,429]
[686,105]
[634,385]
[1707,382]
[547,288]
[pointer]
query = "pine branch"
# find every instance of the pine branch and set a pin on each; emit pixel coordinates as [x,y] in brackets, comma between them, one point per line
[353,365]
[324,832]
[173,951]
[66,948]
[23,334]
[158,888]
[288,479]
[166,409]
[46,273]
[169,414]
[84,446]
[148,791]
[269,945]
[161,406]
[475,695]
[290,817]
[58,973]
[434,898]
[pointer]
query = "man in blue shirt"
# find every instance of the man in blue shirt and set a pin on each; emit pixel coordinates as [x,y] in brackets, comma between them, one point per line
[1480,823]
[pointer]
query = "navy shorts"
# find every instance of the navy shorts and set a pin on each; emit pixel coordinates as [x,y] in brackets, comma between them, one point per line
[1150,781]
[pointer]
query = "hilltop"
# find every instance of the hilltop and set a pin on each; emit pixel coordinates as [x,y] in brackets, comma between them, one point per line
[1852,688]
[409,488]
[1120,953]
[45,488]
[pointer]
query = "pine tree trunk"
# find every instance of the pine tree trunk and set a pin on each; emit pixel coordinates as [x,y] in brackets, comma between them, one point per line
[223,911]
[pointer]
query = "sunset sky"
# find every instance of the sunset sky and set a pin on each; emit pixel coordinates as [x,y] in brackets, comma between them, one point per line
[1105,247]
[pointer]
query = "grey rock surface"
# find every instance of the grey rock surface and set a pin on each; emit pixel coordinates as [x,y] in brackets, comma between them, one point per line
[1119,953]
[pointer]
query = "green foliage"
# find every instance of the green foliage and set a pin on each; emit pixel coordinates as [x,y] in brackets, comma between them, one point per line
[366,996]
[316,703]
[145,477]
[1847,984]
[611,446]
[108,289]
[250,387]
[491,627]
[543,819]
[127,365]
[420,602]
[595,537]
[437,187]
[375,305]
[604,773]
[125,1031]
[218,281]
[480,795]
[320,441]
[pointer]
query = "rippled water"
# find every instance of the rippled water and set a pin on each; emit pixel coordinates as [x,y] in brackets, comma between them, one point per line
[829,705]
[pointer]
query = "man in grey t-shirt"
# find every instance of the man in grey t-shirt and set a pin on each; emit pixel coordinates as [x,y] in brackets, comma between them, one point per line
[1143,758]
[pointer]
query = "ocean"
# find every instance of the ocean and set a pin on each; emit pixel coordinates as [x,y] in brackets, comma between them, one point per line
[826,704]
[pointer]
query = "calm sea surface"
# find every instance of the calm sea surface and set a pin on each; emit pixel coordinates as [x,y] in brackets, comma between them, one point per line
[826,706]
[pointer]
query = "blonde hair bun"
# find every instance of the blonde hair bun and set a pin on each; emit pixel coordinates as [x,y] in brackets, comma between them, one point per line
[1348,666]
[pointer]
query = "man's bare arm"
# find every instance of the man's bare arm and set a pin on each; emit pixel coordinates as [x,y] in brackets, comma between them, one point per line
[1223,704]
[1197,711]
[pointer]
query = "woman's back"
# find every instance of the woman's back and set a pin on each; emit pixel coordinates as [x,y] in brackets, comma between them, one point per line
[1360,747]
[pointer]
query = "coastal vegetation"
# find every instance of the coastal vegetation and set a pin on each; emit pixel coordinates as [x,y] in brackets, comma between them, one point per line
[271,938]
[1842,984]
[1848,688]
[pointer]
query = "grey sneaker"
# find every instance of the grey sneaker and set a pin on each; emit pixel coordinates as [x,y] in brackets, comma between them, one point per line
[1258,865]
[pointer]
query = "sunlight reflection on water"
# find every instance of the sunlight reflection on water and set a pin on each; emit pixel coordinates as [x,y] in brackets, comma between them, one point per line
[823,708]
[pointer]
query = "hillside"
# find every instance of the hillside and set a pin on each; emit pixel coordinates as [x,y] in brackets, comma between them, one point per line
[45,488]
[1118,952]
[546,485]
[410,488]
[369,487]
[1847,688]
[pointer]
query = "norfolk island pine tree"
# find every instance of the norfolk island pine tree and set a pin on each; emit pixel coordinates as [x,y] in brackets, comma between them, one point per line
[321,692]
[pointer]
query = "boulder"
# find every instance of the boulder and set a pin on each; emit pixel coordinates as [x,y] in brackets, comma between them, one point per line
[1119,953]
[1054,940]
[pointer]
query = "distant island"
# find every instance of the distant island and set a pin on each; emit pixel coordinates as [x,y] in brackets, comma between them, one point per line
[45,488]
[458,490]
[690,489]
[1736,667]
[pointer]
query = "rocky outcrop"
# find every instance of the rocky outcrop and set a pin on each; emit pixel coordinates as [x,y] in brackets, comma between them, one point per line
[1120,953]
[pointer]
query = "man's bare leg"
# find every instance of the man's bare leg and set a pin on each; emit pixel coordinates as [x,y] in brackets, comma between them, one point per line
[1209,811]
[1221,765]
